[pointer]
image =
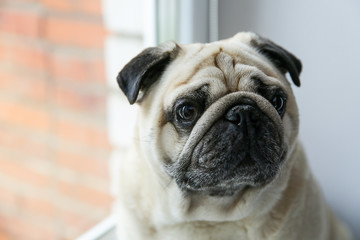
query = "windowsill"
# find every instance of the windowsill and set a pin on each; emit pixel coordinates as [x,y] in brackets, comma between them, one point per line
[105,230]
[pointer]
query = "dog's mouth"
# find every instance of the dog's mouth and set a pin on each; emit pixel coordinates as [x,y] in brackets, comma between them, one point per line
[241,149]
[227,159]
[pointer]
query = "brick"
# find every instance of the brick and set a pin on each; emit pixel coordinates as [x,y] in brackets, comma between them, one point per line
[80,70]
[91,7]
[20,23]
[23,1]
[86,134]
[98,71]
[2,51]
[83,100]
[23,174]
[24,115]
[26,203]
[85,194]
[84,163]
[76,32]
[36,85]
[69,68]
[38,207]
[20,228]
[23,86]
[7,197]
[24,56]
[29,144]
[3,236]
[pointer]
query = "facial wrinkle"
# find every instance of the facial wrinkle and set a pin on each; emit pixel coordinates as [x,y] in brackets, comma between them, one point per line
[226,64]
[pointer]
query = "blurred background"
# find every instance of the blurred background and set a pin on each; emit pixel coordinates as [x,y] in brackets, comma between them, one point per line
[54,149]
[64,125]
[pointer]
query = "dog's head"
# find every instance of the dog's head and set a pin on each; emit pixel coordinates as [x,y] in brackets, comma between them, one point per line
[215,117]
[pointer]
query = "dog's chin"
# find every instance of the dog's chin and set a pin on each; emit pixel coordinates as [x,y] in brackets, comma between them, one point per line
[199,183]
[216,191]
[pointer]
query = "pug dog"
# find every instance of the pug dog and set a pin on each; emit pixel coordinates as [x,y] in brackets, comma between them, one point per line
[216,153]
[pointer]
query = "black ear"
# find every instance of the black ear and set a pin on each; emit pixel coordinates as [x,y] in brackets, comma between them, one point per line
[282,58]
[144,69]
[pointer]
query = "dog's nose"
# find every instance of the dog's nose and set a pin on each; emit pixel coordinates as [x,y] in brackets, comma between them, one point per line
[243,115]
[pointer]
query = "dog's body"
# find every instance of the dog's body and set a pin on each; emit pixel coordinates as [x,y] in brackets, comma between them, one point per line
[215,153]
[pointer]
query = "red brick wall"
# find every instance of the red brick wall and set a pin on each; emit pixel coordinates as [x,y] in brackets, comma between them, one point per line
[54,181]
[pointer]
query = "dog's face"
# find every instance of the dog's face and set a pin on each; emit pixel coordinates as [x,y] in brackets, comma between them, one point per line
[215,117]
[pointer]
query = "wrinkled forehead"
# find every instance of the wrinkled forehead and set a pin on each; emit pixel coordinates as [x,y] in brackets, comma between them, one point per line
[225,66]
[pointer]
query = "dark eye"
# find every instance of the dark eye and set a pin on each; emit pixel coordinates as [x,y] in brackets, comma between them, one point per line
[187,112]
[279,103]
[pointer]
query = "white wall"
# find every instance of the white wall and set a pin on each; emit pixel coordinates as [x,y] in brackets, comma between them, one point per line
[325,35]
[126,39]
